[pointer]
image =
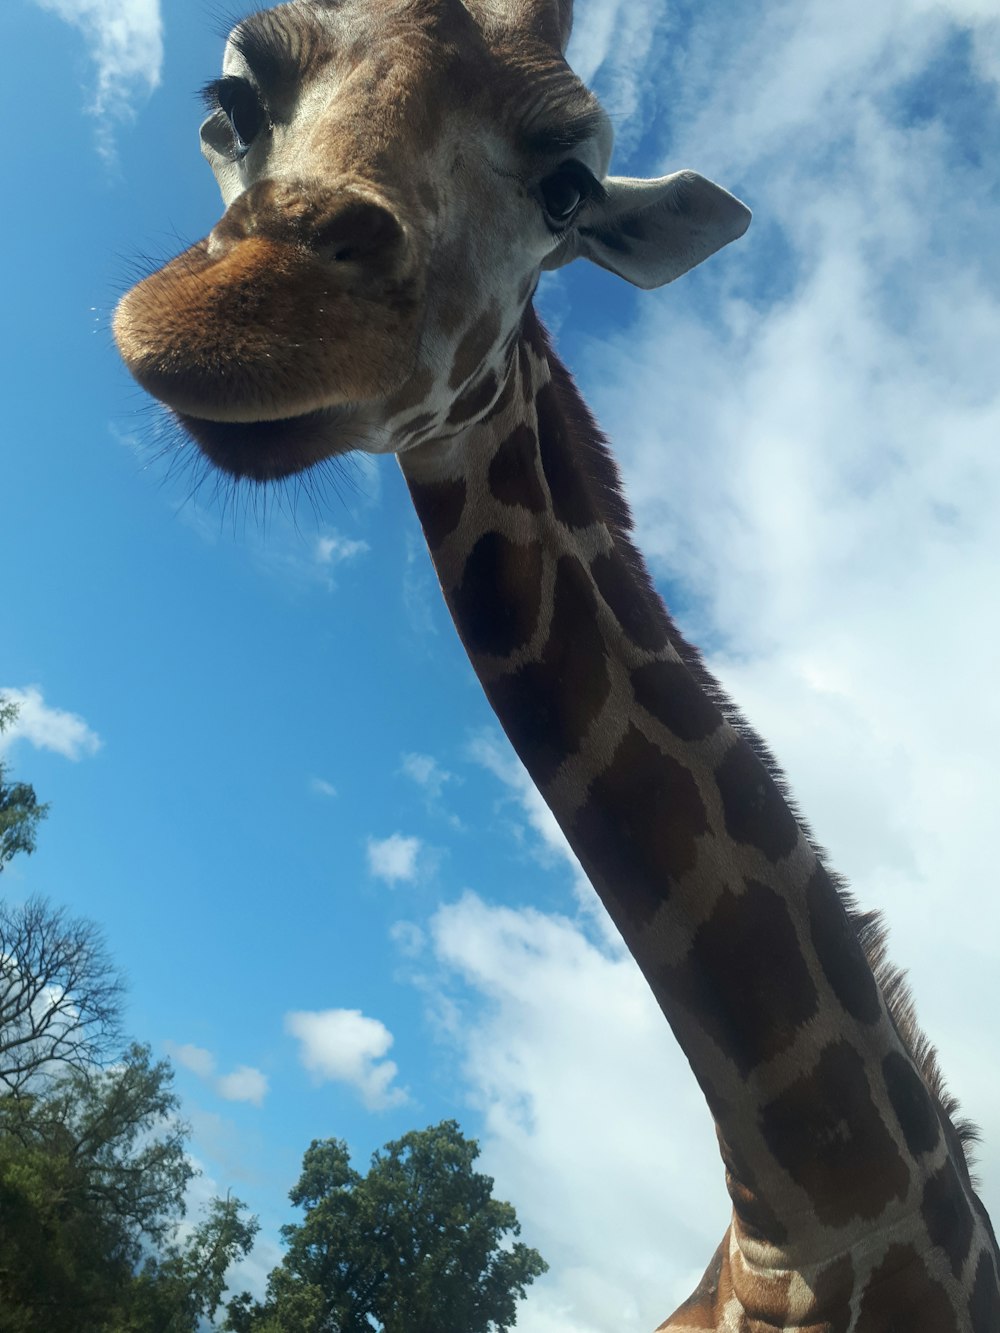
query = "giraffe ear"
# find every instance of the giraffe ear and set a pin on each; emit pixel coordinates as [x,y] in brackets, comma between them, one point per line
[650,232]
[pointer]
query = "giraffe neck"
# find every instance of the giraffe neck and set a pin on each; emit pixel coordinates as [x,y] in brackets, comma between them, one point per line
[826,1127]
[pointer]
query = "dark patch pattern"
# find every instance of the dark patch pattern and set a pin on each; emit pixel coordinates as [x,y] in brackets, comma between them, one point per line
[496,605]
[637,831]
[504,399]
[640,616]
[418,424]
[546,707]
[947,1215]
[670,693]
[839,950]
[902,1297]
[744,981]
[755,810]
[831,1303]
[474,401]
[753,1215]
[439,507]
[513,472]
[571,500]
[826,1132]
[984,1304]
[475,344]
[911,1103]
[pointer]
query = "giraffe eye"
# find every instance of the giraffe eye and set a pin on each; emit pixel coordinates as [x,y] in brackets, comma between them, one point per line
[564,192]
[242,106]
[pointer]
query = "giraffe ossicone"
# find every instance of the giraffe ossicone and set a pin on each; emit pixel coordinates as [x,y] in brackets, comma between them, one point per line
[396,175]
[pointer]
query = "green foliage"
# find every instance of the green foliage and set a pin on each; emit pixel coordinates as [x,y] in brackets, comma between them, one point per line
[93,1167]
[92,1181]
[20,809]
[418,1245]
[186,1283]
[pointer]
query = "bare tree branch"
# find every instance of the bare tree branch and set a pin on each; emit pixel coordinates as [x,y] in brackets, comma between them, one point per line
[60,995]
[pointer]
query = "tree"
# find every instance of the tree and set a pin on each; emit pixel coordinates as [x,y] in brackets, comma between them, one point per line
[93,1167]
[92,1180]
[186,1283]
[60,995]
[20,809]
[419,1245]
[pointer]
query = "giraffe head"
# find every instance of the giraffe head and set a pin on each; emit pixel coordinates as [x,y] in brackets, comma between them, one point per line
[395,174]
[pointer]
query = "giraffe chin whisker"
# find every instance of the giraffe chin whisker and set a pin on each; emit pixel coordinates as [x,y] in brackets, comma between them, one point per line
[264,451]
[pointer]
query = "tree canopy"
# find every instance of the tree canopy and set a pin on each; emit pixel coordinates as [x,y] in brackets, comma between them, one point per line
[93,1160]
[418,1245]
[20,809]
[93,1173]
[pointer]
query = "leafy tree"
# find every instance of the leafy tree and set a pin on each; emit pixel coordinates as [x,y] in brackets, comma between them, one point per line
[418,1245]
[186,1283]
[20,809]
[93,1166]
[92,1181]
[60,995]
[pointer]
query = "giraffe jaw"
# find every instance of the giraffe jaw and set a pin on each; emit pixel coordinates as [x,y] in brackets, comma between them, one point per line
[264,451]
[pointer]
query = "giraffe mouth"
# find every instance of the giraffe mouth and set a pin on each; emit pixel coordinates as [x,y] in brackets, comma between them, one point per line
[262,451]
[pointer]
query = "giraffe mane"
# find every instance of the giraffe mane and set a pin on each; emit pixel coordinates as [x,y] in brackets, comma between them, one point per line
[593,453]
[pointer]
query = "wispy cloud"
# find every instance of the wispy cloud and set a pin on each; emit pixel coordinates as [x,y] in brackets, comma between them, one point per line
[243,1084]
[321,787]
[345,1046]
[125,42]
[45,727]
[426,772]
[333,549]
[395,859]
[196,1058]
[569,1060]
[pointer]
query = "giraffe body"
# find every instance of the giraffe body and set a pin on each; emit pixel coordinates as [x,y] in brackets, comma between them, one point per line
[396,174]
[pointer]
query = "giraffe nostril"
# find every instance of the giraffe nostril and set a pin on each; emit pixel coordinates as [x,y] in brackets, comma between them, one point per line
[359,232]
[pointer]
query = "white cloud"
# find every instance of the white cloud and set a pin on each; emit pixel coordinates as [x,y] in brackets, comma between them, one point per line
[610,50]
[594,1126]
[395,859]
[426,772]
[45,727]
[196,1058]
[321,787]
[334,549]
[244,1084]
[125,41]
[408,938]
[345,1046]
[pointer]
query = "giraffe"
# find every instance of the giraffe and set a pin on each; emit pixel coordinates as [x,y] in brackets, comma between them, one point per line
[396,174]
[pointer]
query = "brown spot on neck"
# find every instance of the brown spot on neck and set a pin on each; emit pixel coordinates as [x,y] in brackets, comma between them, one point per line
[828,1135]
[637,831]
[475,345]
[901,1294]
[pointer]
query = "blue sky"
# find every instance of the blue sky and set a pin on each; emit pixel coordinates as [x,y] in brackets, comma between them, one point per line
[273,778]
